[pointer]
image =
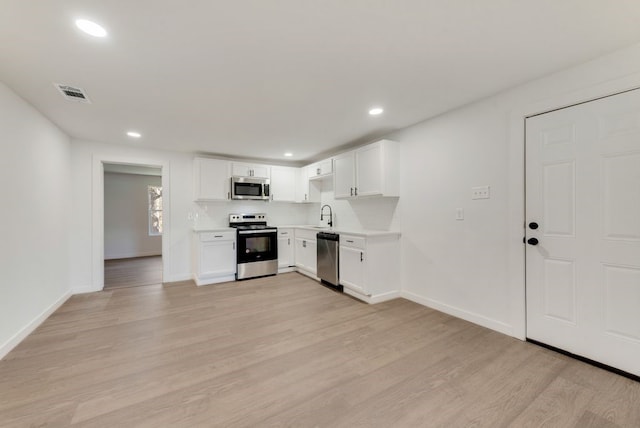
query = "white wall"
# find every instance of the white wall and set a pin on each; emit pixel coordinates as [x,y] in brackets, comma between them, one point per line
[87,205]
[357,214]
[126,216]
[35,195]
[475,268]
[216,214]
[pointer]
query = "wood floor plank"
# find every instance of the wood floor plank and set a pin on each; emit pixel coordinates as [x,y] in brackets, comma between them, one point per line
[286,351]
[132,272]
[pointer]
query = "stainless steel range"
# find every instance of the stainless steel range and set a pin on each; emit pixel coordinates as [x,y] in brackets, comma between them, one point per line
[257,245]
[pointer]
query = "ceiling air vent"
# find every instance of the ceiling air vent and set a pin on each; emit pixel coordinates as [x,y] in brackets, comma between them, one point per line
[73,93]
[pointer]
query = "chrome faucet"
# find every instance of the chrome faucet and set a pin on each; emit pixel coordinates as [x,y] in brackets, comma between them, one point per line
[330,222]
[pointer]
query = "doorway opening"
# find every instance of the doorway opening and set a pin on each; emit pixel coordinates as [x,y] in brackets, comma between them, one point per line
[133,225]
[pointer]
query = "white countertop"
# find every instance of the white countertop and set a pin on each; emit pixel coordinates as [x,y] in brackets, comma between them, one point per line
[200,229]
[371,233]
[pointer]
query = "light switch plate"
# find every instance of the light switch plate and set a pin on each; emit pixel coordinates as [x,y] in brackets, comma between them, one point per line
[480,192]
[459,214]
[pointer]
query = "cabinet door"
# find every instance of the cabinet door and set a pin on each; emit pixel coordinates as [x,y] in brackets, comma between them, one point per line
[250,170]
[211,179]
[369,174]
[321,168]
[285,249]
[217,258]
[240,170]
[344,175]
[306,190]
[326,166]
[263,171]
[312,257]
[305,254]
[283,183]
[352,269]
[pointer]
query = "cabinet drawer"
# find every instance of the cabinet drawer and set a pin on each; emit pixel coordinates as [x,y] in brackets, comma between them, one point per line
[285,233]
[217,236]
[352,241]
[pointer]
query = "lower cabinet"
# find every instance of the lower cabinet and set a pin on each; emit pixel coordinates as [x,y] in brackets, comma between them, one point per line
[370,267]
[286,243]
[352,269]
[214,256]
[305,251]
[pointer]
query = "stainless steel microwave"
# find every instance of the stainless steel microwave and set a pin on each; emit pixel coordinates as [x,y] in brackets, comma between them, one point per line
[255,188]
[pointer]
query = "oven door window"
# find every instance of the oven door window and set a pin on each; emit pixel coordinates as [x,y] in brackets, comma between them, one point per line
[257,247]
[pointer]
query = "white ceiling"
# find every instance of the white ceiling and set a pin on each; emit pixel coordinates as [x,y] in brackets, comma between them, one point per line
[256,78]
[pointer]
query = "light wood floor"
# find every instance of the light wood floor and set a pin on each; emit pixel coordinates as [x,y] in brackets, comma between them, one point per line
[132,272]
[285,351]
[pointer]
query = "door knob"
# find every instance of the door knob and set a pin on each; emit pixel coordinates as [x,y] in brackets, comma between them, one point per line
[533,225]
[532,241]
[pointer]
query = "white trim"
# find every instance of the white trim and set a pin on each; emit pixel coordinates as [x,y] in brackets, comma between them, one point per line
[97,213]
[481,320]
[372,300]
[307,273]
[6,347]
[209,281]
[84,290]
[516,273]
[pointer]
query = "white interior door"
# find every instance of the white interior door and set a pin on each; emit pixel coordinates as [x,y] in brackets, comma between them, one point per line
[583,191]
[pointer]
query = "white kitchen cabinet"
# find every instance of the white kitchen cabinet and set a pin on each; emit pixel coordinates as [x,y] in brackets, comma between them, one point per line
[211,179]
[306,190]
[286,243]
[370,266]
[305,251]
[214,255]
[352,268]
[320,169]
[371,170]
[283,183]
[250,170]
[344,175]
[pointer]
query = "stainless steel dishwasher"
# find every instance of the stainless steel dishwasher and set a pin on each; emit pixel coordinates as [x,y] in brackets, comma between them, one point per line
[328,266]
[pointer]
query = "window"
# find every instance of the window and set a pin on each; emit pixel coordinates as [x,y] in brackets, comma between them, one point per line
[155,210]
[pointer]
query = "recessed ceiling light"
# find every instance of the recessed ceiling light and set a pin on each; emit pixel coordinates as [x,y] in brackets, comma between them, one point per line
[134,134]
[91,28]
[376,111]
[288,154]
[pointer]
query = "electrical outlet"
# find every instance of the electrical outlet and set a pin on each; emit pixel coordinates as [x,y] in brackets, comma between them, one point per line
[480,192]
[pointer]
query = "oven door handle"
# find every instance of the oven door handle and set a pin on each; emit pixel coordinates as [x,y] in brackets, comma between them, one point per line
[254,232]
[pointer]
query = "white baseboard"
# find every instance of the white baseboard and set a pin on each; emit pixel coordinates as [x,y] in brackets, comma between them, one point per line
[307,273]
[6,347]
[372,300]
[481,320]
[84,290]
[217,280]
[389,295]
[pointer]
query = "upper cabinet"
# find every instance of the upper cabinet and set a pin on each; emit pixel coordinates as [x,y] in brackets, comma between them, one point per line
[283,183]
[211,179]
[371,170]
[306,190]
[345,175]
[320,169]
[250,170]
